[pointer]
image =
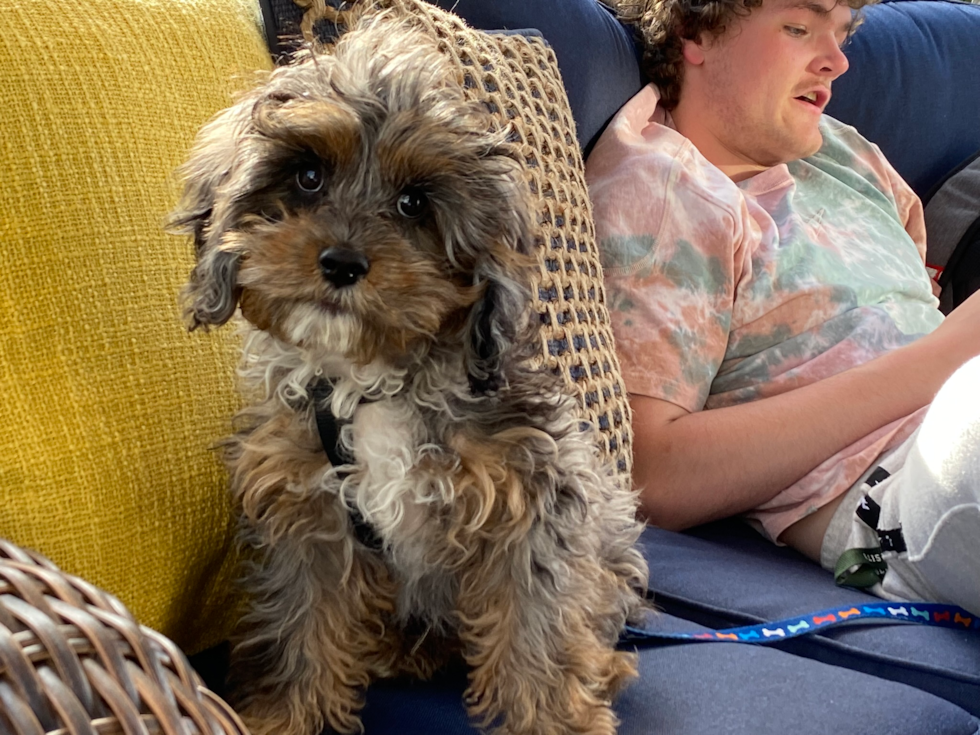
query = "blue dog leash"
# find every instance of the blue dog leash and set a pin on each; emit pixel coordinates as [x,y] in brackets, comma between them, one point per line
[922,613]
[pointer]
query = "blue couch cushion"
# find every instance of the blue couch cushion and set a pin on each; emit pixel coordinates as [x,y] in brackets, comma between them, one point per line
[697,688]
[913,86]
[725,575]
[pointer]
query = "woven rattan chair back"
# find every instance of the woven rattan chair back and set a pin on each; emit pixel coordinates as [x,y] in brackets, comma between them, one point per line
[74,661]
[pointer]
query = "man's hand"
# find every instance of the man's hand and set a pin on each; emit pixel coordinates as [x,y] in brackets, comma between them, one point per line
[697,467]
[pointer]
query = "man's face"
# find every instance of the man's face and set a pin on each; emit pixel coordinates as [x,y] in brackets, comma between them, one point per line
[767,79]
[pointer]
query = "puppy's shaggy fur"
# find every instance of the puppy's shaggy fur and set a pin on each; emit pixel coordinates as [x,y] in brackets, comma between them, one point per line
[373,228]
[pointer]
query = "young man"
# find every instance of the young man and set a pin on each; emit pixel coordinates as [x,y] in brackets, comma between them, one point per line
[778,332]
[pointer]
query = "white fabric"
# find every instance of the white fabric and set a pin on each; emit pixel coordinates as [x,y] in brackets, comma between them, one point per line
[933,495]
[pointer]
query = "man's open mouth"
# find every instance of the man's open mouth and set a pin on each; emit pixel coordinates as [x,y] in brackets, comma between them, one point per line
[818,98]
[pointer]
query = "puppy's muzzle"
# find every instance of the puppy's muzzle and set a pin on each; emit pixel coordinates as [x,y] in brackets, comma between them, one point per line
[342,266]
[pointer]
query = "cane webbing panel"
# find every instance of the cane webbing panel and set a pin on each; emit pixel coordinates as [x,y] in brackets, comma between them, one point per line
[109,407]
[74,661]
[517,78]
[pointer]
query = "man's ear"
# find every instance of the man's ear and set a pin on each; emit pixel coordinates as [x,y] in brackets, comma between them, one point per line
[693,51]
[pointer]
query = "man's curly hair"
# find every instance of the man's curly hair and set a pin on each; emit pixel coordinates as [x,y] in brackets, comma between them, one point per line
[664,25]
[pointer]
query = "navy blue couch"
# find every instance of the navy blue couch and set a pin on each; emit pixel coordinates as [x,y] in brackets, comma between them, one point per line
[914,89]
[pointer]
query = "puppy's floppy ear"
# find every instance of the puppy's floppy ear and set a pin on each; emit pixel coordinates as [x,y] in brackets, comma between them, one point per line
[488,339]
[497,232]
[498,328]
[211,294]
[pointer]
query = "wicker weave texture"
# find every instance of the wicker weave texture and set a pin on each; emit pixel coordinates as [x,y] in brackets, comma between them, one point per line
[517,78]
[74,661]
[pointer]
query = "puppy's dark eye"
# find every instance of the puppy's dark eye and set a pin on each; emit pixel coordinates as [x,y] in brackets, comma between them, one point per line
[309,178]
[412,202]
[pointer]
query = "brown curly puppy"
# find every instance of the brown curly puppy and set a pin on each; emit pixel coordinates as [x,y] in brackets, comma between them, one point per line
[373,227]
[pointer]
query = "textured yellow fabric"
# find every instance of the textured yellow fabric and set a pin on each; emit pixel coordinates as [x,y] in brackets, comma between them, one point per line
[107,406]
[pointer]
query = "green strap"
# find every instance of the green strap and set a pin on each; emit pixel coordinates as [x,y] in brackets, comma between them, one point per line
[860,568]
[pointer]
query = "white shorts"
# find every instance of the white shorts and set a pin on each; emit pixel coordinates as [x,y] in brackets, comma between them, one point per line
[927,493]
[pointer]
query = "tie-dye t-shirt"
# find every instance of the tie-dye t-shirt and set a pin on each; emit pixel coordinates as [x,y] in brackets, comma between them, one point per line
[722,293]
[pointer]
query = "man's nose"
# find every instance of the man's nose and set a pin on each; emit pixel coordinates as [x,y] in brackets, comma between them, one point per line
[832,62]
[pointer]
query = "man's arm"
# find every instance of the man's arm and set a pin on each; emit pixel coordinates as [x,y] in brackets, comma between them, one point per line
[697,467]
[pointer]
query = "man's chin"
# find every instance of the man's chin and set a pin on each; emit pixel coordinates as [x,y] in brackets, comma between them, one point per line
[793,150]
[815,145]
[808,141]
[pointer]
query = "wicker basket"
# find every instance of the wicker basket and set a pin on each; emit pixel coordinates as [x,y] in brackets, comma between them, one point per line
[74,661]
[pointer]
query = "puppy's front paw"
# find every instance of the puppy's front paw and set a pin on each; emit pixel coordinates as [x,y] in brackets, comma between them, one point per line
[569,703]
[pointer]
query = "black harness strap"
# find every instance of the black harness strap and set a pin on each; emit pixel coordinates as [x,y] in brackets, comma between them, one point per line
[869,512]
[329,426]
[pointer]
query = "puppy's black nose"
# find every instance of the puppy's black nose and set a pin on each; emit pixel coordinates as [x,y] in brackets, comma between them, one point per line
[342,266]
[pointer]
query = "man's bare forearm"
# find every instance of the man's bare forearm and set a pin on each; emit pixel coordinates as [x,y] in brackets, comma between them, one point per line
[697,467]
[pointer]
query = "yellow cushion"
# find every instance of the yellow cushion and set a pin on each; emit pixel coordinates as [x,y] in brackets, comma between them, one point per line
[108,406]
